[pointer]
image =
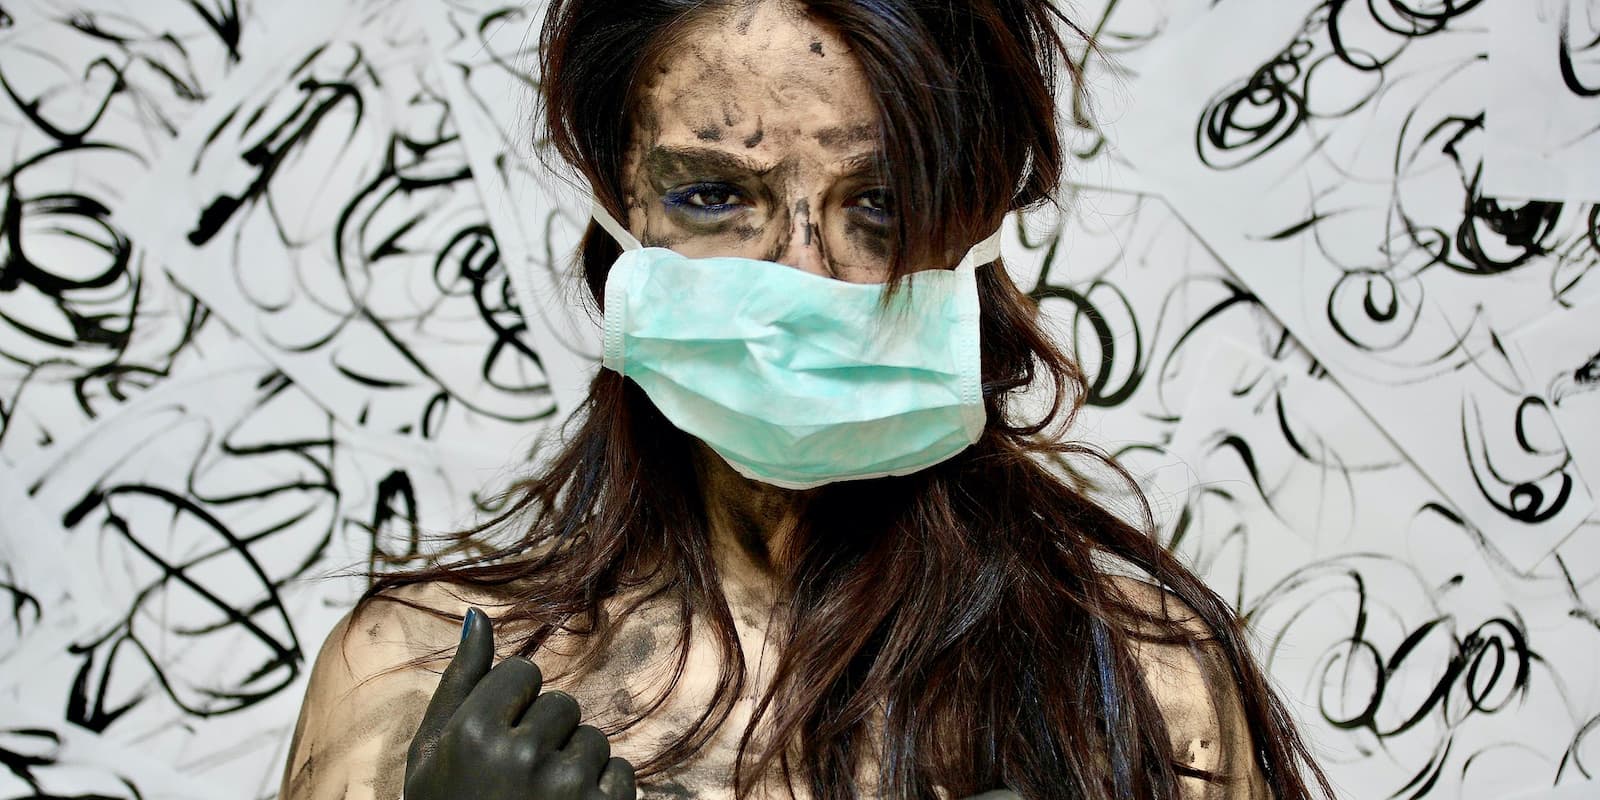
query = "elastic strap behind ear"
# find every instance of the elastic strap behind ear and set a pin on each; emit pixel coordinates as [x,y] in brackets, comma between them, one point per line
[984,252]
[602,216]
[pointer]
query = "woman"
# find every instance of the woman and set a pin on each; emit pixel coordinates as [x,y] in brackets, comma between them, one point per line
[796,543]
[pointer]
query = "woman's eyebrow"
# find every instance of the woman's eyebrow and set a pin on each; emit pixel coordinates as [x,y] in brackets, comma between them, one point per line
[871,162]
[671,158]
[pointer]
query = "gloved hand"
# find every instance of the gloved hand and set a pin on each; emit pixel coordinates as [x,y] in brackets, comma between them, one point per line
[485,736]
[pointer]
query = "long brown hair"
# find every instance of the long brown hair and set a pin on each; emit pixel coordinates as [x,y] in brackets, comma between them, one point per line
[967,603]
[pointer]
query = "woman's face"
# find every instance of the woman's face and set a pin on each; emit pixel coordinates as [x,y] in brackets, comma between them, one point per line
[756,135]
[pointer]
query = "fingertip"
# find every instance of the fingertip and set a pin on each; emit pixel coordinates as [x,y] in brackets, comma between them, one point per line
[477,636]
[569,705]
[476,623]
[617,780]
[532,673]
[467,666]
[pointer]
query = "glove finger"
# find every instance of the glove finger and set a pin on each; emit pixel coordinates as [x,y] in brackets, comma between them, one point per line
[549,722]
[503,694]
[589,749]
[617,782]
[468,666]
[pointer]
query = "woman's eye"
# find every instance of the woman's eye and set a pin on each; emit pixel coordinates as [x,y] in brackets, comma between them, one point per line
[876,203]
[705,199]
[709,199]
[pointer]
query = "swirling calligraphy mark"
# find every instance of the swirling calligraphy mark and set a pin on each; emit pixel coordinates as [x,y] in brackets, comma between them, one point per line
[80,289]
[1523,231]
[22,764]
[72,289]
[1252,117]
[25,609]
[395,506]
[224,21]
[1524,227]
[218,552]
[1101,393]
[1490,666]
[1529,500]
[75,299]
[1389,311]
[1429,680]
[1574,49]
[473,256]
[30,753]
[516,65]
[1577,259]
[273,147]
[1575,751]
[368,241]
[58,131]
[1248,120]
[1584,379]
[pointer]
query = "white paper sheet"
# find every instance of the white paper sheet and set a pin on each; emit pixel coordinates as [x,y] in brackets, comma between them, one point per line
[1585,790]
[208,514]
[1137,301]
[97,93]
[1411,659]
[1343,197]
[254,469]
[322,206]
[1544,100]
[52,759]
[47,598]
[1561,356]
[488,55]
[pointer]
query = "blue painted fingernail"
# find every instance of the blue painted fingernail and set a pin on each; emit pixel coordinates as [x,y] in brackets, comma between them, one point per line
[466,622]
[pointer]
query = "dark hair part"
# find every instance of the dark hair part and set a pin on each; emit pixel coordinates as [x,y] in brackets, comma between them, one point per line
[998,649]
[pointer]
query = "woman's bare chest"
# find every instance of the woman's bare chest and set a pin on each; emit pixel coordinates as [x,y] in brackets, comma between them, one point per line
[637,673]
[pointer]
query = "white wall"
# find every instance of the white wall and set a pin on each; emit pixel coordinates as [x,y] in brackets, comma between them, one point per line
[268,293]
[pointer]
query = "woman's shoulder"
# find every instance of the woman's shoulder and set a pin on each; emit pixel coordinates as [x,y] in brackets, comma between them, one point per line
[1194,686]
[369,686]
[404,633]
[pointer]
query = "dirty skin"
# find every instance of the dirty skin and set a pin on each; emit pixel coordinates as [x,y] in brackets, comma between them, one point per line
[768,113]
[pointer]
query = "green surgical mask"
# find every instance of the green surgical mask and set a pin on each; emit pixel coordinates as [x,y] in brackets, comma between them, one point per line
[795,379]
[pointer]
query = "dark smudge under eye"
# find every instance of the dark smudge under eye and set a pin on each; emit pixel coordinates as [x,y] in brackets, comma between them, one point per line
[710,133]
[865,237]
[654,240]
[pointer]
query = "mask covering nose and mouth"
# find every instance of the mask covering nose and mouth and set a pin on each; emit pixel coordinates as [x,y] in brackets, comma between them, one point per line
[795,379]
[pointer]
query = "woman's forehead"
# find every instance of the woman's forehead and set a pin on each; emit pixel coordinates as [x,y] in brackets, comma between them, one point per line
[761,80]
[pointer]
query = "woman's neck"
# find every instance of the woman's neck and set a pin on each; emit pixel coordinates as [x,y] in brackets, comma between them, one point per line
[752,523]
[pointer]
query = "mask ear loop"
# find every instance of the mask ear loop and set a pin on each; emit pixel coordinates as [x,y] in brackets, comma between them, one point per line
[984,252]
[611,226]
[974,415]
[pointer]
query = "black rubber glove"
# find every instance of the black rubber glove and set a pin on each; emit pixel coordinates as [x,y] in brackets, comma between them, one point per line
[486,736]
